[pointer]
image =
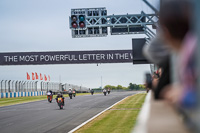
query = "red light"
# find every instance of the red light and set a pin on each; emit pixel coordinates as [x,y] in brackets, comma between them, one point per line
[74,25]
[81,24]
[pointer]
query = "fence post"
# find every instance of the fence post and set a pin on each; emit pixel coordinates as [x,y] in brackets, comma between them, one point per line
[9,86]
[24,90]
[16,86]
[13,85]
[47,86]
[19,86]
[1,85]
[5,84]
[41,85]
[36,85]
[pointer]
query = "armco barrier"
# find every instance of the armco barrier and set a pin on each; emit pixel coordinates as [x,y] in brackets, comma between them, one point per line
[22,94]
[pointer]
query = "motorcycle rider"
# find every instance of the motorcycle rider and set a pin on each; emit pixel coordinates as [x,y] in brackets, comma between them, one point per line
[70,92]
[60,95]
[49,94]
[74,92]
[92,91]
[104,91]
[108,90]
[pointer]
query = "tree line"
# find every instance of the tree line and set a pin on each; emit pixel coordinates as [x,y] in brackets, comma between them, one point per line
[130,87]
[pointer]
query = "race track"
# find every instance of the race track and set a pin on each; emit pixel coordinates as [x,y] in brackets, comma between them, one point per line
[43,117]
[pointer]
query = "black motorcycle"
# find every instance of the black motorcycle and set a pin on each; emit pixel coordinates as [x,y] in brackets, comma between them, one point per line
[104,93]
[92,92]
[70,95]
[108,92]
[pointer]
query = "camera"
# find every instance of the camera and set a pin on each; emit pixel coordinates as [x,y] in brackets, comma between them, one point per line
[148,80]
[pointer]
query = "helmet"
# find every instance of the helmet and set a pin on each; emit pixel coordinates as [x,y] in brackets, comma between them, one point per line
[59,94]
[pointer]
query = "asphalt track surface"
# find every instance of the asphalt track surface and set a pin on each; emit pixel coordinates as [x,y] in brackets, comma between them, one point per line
[43,117]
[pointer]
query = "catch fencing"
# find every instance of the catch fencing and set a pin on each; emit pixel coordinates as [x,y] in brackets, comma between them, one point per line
[15,88]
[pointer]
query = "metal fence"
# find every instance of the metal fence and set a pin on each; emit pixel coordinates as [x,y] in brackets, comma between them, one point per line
[76,87]
[31,86]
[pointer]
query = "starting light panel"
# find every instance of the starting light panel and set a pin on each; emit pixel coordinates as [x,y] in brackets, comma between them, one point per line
[77,19]
[94,22]
[78,22]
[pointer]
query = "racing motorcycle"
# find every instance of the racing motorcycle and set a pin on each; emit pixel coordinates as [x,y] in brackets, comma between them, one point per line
[60,102]
[74,93]
[70,95]
[49,97]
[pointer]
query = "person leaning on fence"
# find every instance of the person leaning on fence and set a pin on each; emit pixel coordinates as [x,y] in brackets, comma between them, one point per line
[158,53]
[155,80]
[175,21]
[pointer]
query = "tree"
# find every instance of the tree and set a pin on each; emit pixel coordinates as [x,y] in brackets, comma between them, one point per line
[110,86]
[125,88]
[119,87]
[136,87]
[131,86]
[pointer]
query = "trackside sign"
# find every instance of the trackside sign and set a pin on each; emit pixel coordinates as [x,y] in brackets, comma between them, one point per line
[66,57]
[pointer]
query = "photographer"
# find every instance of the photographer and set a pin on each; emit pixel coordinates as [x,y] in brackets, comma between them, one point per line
[152,81]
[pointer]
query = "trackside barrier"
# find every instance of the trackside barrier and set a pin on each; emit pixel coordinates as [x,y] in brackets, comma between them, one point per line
[22,94]
[158,116]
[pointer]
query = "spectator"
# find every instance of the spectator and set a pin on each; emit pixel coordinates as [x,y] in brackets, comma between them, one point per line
[175,17]
[158,53]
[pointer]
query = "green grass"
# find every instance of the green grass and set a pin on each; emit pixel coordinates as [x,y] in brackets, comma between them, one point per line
[18,100]
[119,119]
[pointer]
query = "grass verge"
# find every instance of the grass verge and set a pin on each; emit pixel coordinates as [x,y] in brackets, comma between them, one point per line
[18,100]
[119,119]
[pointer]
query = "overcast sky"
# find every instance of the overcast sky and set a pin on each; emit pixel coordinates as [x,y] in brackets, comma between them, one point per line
[43,25]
